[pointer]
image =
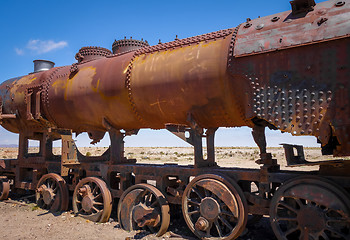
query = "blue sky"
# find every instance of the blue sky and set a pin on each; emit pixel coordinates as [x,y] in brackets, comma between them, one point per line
[56,30]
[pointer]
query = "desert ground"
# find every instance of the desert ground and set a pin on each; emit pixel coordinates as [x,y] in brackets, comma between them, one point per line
[20,218]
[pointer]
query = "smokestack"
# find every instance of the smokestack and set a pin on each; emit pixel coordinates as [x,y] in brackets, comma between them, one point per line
[42,65]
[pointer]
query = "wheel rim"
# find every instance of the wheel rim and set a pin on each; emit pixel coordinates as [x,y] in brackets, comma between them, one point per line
[52,193]
[214,207]
[143,206]
[4,188]
[310,208]
[92,200]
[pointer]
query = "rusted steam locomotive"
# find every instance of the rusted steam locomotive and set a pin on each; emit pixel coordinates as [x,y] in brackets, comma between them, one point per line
[288,72]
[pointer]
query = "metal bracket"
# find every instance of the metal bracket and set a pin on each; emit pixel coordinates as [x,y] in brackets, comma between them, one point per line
[300,6]
[292,157]
[117,143]
[195,139]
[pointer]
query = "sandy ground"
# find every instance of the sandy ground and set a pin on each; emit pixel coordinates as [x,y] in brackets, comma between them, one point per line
[21,219]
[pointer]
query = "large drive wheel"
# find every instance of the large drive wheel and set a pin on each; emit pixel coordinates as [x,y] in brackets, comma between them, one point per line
[52,193]
[4,188]
[143,206]
[214,207]
[310,208]
[92,200]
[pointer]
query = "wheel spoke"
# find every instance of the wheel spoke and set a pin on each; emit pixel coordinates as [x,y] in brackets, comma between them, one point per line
[227,224]
[95,209]
[324,236]
[99,195]
[285,205]
[95,190]
[218,228]
[195,190]
[337,232]
[286,219]
[98,203]
[148,199]
[291,230]
[143,194]
[206,192]
[192,202]
[230,214]
[193,212]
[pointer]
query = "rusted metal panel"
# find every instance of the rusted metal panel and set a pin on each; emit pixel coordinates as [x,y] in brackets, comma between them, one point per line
[99,86]
[169,83]
[285,30]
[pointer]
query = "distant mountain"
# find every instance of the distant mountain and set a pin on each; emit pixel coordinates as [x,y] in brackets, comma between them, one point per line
[8,145]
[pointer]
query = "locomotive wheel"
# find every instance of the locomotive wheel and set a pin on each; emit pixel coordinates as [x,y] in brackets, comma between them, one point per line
[92,200]
[4,188]
[52,193]
[214,207]
[310,208]
[143,206]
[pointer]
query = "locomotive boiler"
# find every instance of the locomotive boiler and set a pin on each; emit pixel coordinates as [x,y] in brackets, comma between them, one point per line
[288,72]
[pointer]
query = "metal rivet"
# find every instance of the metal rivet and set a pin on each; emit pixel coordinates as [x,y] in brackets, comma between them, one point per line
[340,3]
[275,19]
[260,26]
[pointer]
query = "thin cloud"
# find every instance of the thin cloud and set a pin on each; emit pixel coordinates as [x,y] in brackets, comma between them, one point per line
[19,51]
[40,46]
